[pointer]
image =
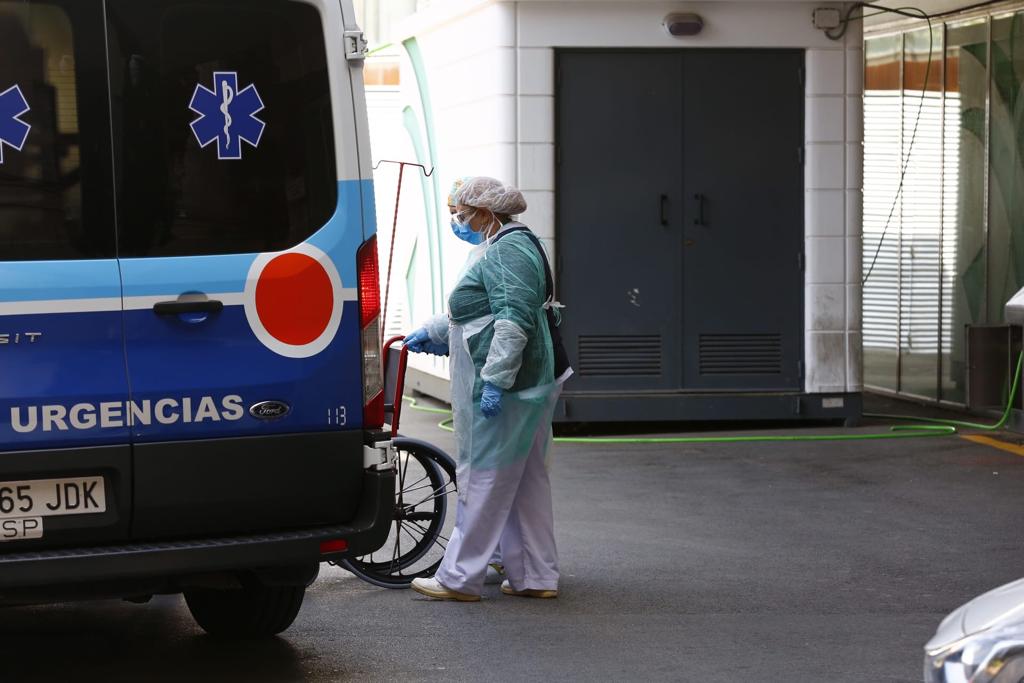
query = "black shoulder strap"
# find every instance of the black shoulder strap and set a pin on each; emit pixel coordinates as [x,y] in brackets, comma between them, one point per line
[561,357]
[549,281]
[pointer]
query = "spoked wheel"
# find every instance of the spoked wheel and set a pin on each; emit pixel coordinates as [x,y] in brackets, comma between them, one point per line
[425,490]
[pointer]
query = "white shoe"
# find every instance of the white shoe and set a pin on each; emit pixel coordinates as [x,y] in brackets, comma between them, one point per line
[545,594]
[495,574]
[432,588]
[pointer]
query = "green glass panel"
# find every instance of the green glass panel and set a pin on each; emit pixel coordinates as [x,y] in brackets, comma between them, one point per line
[1006,173]
[963,195]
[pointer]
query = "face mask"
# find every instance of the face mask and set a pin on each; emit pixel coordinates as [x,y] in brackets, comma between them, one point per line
[465,233]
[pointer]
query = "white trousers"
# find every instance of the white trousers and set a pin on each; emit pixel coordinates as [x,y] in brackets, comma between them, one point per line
[510,506]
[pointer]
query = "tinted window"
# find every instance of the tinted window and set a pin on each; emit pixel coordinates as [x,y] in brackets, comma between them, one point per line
[222,121]
[55,181]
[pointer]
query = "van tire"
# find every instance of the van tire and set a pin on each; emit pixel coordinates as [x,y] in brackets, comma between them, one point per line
[253,611]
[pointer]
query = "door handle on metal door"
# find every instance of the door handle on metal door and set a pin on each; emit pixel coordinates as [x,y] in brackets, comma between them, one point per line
[664,210]
[179,307]
[701,199]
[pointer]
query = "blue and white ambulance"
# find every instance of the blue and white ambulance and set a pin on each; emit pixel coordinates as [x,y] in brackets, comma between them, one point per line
[190,381]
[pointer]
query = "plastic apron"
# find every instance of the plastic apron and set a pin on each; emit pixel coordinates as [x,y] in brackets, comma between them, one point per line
[498,441]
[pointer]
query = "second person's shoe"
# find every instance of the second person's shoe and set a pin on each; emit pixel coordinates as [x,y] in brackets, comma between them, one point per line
[495,574]
[432,588]
[507,589]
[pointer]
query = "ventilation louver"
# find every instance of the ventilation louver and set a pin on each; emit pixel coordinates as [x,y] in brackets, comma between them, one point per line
[620,355]
[741,354]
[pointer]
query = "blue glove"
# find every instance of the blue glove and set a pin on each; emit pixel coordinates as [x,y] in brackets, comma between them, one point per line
[435,348]
[419,342]
[490,401]
[416,340]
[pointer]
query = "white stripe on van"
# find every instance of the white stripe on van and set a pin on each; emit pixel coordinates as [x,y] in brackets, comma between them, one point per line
[61,306]
[131,303]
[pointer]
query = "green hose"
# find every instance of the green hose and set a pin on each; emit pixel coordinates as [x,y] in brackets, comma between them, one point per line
[931,427]
[897,432]
[969,425]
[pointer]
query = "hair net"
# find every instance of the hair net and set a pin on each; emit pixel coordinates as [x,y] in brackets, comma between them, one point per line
[490,193]
[456,186]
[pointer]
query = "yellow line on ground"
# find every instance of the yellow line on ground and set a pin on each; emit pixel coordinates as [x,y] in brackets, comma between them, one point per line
[995,443]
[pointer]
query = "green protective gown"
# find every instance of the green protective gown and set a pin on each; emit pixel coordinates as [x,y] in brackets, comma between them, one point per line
[499,335]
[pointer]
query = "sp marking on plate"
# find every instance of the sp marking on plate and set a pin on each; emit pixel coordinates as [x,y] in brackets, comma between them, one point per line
[21,528]
[270,410]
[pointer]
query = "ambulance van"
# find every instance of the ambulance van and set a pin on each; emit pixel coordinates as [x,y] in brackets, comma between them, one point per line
[190,380]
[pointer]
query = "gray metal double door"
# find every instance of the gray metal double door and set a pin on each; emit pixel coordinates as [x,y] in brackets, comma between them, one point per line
[680,219]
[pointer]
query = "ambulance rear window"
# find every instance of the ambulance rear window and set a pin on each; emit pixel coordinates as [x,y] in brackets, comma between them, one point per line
[54,132]
[223,130]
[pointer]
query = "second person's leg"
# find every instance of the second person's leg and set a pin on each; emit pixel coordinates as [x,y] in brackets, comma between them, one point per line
[478,526]
[528,542]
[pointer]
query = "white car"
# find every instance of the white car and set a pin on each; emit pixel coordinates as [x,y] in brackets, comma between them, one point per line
[980,642]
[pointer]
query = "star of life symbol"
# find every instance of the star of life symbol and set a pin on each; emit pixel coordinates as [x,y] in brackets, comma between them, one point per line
[13,131]
[227,115]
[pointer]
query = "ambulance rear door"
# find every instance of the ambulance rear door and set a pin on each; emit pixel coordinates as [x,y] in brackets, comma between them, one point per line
[65,461]
[238,257]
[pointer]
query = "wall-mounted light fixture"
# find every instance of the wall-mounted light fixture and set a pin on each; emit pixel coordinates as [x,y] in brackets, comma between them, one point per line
[683,24]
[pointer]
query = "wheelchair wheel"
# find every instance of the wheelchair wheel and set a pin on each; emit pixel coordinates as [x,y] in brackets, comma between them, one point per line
[425,489]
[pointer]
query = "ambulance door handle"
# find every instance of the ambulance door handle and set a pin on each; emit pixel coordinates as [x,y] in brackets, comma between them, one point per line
[179,307]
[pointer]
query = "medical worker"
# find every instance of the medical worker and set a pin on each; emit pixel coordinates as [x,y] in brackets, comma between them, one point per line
[495,568]
[504,388]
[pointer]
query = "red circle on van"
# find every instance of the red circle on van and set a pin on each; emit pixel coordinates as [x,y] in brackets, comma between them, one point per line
[294,299]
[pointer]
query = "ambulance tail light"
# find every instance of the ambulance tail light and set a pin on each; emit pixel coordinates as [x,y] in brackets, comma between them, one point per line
[337,545]
[369,324]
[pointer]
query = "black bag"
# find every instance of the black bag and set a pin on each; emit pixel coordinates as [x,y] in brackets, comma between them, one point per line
[561,357]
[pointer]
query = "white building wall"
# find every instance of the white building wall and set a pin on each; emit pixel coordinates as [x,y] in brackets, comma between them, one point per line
[491,69]
[833,216]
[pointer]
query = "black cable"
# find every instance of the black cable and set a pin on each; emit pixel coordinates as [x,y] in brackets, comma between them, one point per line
[912,12]
[910,154]
[915,13]
[961,10]
[937,15]
[881,12]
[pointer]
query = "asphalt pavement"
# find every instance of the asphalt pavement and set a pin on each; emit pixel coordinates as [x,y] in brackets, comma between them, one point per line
[819,561]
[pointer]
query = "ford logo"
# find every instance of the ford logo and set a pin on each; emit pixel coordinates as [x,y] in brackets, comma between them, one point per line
[270,410]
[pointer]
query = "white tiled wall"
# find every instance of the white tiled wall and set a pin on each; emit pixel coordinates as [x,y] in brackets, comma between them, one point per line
[834,178]
[536,166]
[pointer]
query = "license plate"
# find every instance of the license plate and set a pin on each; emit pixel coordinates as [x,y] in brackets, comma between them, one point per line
[52,497]
[21,528]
